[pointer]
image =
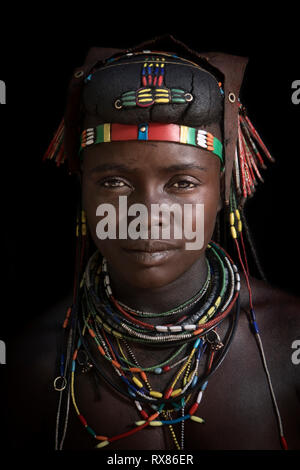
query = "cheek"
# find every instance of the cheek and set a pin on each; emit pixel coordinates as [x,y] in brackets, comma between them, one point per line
[90,202]
[209,199]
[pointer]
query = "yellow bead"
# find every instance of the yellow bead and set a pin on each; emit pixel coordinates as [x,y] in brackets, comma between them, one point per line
[197,419]
[217,302]
[176,392]
[102,444]
[137,382]
[233,232]
[210,311]
[155,423]
[240,226]
[162,100]
[237,213]
[140,423]
[231,218]
[107,328]
[155,394]
[117,334]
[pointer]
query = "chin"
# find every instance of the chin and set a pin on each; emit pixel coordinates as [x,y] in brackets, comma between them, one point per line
[151,277]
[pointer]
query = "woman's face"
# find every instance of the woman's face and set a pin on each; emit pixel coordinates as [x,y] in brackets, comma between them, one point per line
[151,173]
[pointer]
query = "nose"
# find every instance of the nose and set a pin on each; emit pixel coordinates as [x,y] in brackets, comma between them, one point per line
[154,208]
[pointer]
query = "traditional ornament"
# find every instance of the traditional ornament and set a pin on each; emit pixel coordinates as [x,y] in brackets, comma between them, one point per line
[153,90]
[152,132]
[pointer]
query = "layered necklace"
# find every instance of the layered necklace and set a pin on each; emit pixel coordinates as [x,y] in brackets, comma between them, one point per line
[105,329]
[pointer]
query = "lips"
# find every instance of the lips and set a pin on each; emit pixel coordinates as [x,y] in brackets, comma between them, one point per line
[150,253]
[150,246]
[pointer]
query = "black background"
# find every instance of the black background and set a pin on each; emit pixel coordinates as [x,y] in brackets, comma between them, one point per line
[38,54]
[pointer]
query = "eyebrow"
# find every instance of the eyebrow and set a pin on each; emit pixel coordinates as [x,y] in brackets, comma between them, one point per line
[121,167]
[112,166]
[184,166]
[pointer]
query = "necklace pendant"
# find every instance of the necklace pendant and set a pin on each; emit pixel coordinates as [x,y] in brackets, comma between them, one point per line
[217,345]
[214,340]
[86,368]
[83,361]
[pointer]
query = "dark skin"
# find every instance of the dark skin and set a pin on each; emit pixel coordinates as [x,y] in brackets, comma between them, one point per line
[237,405]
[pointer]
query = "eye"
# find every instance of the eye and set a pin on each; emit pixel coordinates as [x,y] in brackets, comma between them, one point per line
[112,183]
[185,184]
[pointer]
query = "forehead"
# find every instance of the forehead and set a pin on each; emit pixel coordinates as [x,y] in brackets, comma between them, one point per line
[148,157]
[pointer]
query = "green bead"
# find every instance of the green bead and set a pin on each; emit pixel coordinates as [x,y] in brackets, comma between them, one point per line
[91,431]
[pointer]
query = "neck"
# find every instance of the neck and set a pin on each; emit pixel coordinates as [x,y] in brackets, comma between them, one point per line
[162,298]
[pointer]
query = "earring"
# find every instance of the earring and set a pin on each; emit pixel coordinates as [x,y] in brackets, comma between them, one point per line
[82,224]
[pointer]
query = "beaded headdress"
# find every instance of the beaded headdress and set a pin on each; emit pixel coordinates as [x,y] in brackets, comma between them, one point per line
[142,94]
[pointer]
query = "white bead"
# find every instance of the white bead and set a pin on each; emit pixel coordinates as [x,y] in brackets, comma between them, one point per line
[202,143]
[161,328]
[109,290]
[138,405]
[175,328]
[199,397]
[238,286]
[189,327]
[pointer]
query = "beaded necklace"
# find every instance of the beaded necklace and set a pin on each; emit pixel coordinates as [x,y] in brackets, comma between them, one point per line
[181,308]
[102,320]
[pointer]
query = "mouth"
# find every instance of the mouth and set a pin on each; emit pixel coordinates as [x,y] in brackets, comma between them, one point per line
[150,253]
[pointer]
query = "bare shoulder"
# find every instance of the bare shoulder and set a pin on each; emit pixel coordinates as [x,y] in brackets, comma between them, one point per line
[273,305]
[278,317]
[31,369]
[281,310]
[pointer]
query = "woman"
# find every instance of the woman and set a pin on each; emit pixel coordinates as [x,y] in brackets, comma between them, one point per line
[160,347]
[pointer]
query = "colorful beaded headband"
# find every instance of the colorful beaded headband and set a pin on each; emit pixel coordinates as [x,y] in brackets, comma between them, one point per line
[152,132]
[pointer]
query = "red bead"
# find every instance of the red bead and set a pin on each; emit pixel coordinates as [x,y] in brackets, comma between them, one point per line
[144,414]
[82,419]
[284,443]
[166,368]
[193,408]
[168,393]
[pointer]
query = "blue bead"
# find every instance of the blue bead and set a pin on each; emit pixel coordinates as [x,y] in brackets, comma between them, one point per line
[195,380]
[204,386]
[143,132]
[131,393]
[158,370]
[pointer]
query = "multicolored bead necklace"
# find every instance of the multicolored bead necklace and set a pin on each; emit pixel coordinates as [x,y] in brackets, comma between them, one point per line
[103,321]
